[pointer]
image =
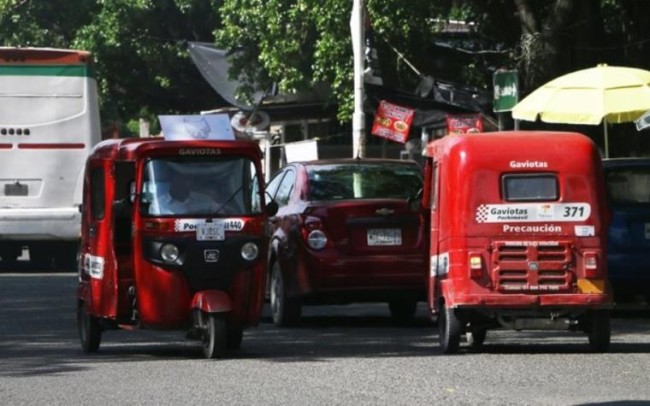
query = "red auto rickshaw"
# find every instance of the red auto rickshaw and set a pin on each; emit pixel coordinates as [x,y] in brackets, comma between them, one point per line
[517,233]
[173,238]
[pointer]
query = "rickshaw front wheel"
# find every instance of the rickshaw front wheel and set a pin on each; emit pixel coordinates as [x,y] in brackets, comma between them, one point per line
[214,338]
[90,332]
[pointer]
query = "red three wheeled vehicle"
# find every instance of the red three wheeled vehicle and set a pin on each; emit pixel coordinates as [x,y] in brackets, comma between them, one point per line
[173,239]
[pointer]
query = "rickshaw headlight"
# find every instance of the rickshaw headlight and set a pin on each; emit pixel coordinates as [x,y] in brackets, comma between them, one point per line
[249,251]
[317,239]
[169,253]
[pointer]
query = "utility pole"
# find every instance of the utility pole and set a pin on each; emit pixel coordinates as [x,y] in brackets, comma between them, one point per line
[357,30]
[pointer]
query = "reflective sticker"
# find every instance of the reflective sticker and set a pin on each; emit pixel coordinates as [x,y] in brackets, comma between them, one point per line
[532,212]
[439,264]
[94,266]
[231,224]
[585,231]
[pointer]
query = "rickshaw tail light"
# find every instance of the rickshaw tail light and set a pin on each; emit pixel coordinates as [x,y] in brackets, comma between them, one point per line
[475,265]
[590,265]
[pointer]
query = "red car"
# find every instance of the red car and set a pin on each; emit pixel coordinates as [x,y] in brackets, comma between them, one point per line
[347,230]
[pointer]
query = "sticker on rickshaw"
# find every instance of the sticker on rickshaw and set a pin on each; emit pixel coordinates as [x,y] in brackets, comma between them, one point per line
[230,224]
[532,212]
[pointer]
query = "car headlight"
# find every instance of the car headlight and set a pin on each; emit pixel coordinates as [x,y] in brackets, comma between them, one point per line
[317,239]
[249,251]
[169,253]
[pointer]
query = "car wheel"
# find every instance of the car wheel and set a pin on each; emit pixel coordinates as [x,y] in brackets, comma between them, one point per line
[90,332]
[285,310]
[449,330]
[599,331]
[402,310]
[214,337]
[234,338]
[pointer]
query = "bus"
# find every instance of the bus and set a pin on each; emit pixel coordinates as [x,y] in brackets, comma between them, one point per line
[49,122]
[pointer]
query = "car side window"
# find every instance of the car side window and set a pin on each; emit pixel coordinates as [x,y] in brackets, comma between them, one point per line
[285,188]
[273,184]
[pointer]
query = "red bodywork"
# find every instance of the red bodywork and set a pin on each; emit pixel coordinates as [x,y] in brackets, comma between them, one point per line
[347,269]
[491,254]
[118,280]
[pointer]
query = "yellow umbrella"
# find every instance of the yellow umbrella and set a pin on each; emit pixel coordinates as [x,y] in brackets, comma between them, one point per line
[607,94]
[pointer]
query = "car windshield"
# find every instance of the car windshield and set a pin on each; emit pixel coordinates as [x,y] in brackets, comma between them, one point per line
[363,180]
[628,185]
[199,187]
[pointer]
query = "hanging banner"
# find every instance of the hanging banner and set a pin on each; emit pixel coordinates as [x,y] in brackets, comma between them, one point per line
[392,122]
[464,123]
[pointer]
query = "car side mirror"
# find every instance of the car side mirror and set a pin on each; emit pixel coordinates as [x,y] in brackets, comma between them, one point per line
[272,208]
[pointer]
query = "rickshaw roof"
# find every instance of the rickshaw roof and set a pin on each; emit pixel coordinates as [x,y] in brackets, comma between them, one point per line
[513,142]
[129,149]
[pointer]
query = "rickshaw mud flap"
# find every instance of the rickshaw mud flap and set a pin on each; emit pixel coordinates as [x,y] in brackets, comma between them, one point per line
[211,301]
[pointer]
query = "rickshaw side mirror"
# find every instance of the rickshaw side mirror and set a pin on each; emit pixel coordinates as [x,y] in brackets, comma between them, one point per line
[272,208]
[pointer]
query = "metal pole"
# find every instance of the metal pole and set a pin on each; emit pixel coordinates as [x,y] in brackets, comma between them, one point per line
[358,117]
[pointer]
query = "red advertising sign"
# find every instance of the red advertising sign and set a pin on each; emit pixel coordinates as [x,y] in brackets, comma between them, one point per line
[392,122]
[464,123]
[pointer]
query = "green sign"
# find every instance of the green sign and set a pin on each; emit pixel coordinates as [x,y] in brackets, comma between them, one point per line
[506,90]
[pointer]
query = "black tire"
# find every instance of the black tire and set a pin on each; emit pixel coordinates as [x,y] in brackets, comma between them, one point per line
[449,330]
[234,337]
[90,332]
[476,338]
[214,337]
[285,310]
[599,331]
[402,310]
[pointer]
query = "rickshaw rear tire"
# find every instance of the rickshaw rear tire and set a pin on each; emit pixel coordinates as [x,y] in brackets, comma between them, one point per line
[284,309]
[234,338]
[215,337]
[449,330]
[599,331]
[90,332]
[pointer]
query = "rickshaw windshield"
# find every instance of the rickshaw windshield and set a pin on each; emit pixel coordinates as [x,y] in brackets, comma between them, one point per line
[199,187]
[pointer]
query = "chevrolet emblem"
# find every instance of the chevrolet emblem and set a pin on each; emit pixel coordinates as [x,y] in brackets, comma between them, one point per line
[384,211]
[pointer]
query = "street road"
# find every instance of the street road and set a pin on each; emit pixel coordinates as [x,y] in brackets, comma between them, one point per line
[339,355]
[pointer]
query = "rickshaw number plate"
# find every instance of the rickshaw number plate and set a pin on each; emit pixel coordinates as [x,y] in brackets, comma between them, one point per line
[384,236]
[211,231]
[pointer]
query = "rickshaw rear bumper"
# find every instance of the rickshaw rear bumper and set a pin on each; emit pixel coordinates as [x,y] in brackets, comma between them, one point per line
[580,300]
[212,301]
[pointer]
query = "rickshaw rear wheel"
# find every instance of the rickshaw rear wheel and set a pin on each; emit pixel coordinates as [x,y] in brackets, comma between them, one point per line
[214,338]
[449,330]
[599,330]
[285,310]
[90,332]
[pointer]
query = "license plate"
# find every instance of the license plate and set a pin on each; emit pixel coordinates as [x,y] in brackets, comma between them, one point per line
[16,189]
[384,236]
[210,231]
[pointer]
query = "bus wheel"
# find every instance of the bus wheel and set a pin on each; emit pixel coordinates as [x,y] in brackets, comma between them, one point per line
[285,310]
[449,330]
[90,332]
[476,338]
[214,338]
[599,331]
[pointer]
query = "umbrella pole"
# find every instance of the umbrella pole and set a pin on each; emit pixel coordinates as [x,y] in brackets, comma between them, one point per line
[606,143]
